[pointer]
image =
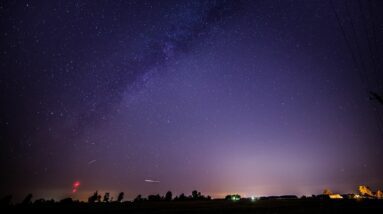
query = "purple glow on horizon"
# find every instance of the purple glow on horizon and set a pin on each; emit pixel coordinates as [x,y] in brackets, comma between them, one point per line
[250,97]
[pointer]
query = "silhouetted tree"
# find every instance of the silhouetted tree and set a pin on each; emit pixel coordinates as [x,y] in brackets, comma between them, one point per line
[106,197]
[120,197]
[66,201]
[154,197]
[377,97]
[168,196]
[196,195]
[27,199]
[182,197]
[94,198]
[138,198]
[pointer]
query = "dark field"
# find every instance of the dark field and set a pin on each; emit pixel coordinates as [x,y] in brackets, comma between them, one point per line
[213,206]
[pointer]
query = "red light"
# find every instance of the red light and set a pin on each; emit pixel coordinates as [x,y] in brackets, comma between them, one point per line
[76,184]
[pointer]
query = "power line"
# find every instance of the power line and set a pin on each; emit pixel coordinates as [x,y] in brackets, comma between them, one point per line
[365,24]
[373,29]
[348,44]
[358,49]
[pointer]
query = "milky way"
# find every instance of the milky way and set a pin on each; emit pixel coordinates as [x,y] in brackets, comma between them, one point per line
[249,97]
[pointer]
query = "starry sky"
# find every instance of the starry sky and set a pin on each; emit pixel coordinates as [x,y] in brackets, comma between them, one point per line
[250,97]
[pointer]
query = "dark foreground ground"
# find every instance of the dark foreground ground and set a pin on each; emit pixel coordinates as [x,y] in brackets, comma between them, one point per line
[214,206]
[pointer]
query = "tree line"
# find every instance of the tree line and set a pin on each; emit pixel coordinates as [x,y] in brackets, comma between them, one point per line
[96,197]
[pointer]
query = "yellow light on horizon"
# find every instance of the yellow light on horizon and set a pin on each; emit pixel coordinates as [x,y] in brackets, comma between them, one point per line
[335,196]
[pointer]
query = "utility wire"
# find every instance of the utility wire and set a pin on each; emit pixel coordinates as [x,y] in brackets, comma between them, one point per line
[348,44]
[365,84]
[370,6]
[358,49]
[372,56]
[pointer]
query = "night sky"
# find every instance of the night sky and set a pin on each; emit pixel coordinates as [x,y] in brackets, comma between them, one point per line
[248,97]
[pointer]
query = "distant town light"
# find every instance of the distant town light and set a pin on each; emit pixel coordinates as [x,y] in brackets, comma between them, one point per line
[235,198]
[335,196]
